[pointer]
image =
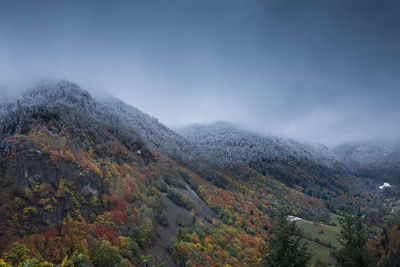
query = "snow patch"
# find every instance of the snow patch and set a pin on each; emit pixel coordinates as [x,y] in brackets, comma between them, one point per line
[292,218]
[384,185]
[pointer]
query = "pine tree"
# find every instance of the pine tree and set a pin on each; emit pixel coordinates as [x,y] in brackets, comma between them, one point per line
[353,238]
[287,249]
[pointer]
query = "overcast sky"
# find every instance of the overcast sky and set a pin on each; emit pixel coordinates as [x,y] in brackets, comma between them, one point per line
[320,71]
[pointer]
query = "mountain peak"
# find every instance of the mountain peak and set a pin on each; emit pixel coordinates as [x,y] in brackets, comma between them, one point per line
[67,99]
[54,98]
[49,94]
[56,90]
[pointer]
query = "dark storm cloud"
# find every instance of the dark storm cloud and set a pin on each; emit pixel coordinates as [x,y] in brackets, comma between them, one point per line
[325,71]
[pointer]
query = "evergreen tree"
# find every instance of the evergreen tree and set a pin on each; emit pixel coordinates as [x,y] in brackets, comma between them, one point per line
[287,249]
[353,237]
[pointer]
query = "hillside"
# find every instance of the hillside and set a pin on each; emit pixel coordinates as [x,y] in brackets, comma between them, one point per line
[89,182]
[375,159]
[364,153]
[71,169]
[223,142]
[157,135]
[311,169]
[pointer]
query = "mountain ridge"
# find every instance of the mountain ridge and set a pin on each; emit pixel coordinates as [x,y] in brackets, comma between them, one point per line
[375,159]
[105,174]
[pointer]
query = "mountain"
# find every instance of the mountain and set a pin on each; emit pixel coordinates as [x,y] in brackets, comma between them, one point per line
[366,152]
[157,135]
[66,156]
[89,181]
[224,142]
[311,167]
[63,94]
[375,159]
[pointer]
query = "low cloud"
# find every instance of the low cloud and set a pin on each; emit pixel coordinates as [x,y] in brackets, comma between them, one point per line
[319,72]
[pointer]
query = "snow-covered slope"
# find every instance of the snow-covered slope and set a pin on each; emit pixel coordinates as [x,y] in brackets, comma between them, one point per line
[64,96]
[47,95]
[375,159]
[365,152]
[155,133]
[220,143]
[392,158]
[223,142]
[312,167]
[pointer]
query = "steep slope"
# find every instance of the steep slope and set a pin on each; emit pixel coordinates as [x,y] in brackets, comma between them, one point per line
[243,146]
[389,166]
[65,161]
[54,95]
[312,169]
[157,135]
[364,153]
[59,159]
[375,159]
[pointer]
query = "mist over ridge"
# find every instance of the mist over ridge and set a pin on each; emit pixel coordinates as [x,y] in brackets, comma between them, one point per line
[317,72]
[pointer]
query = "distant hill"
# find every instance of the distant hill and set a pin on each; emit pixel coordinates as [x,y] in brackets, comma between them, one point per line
[312,169]
[375,159]
[227,142]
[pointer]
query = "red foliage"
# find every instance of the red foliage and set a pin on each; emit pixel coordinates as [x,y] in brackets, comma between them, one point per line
[50,233]
[119,217]
[109,232]
[112,235]
[135,214]
[127,194]
[118,203]
[100,229]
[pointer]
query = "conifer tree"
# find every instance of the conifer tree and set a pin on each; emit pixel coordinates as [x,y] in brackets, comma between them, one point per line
[353,237]
[286,247]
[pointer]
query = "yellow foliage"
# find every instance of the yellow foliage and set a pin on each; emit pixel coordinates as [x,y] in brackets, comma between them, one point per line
[93,201]
[61,189]
[31,210]
[49,208]
[4,264]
